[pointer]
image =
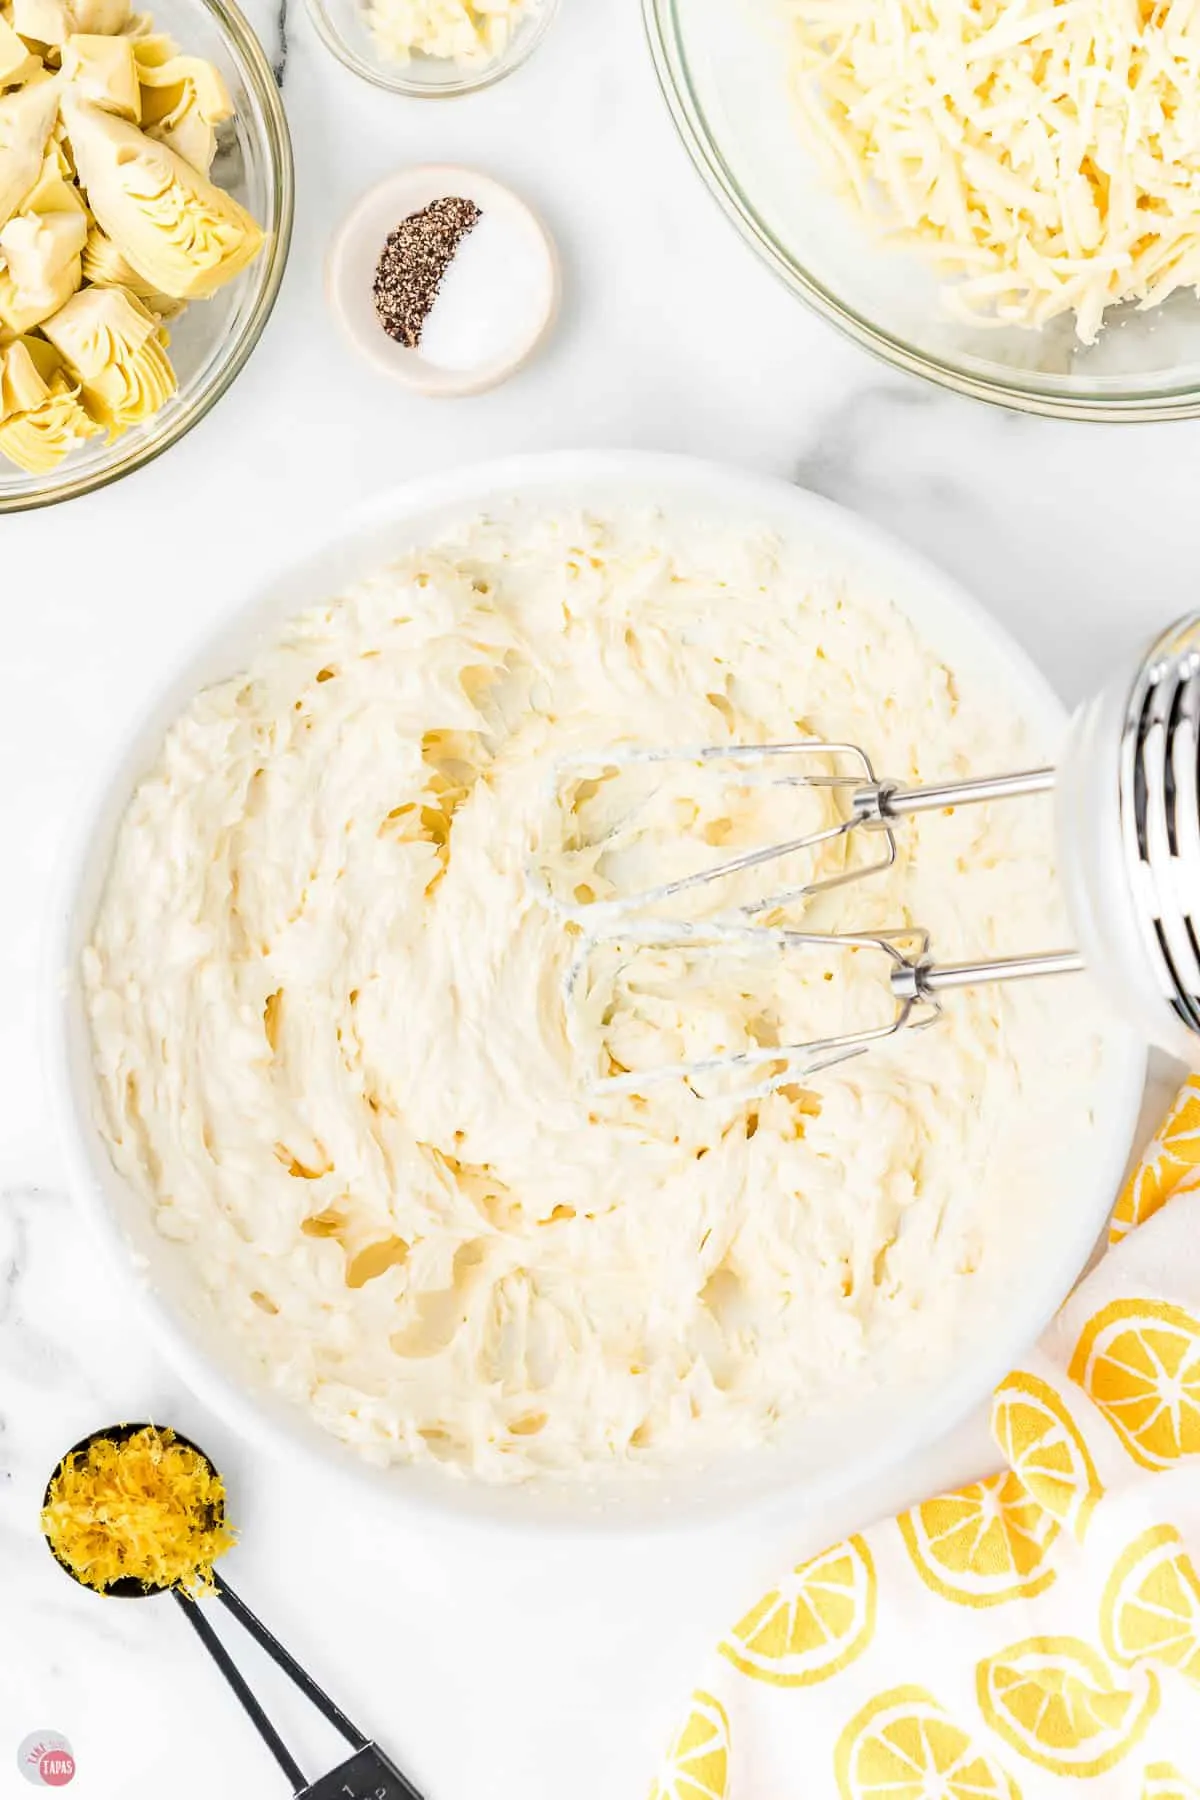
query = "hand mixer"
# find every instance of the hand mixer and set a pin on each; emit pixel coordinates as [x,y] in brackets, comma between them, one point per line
[1127,795]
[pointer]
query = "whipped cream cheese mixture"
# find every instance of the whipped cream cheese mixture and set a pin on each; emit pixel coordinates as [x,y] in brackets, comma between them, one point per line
[327,990]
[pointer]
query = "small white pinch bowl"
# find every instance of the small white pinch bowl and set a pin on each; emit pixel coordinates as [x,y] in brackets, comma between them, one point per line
[354,256]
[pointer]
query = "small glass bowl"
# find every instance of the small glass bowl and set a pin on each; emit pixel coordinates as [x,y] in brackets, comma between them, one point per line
[212,339]
[342,27]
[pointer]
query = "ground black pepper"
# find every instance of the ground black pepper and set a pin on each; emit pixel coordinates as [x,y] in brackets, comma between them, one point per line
[414,262]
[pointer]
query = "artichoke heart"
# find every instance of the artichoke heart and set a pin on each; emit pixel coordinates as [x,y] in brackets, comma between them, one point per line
[27,117]
[39,440]
[41,417]
[36,246]
[40,266]
[174,81]
[26,366]
[184,99]
[104,266]
[106,17]
[54,190]
[53,21]
[167,219]
[104,70]
[22,309]
[189,136]
[17,63]
[111,341]
[149,44]
[44,21]
[139,25]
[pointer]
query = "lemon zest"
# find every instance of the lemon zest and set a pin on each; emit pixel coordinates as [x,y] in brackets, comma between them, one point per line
[149,1509]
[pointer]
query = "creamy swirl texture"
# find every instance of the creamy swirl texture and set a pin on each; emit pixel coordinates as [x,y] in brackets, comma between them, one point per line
[326,992]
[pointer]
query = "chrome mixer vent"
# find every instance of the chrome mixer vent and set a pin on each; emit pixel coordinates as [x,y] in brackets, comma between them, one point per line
[1160,814]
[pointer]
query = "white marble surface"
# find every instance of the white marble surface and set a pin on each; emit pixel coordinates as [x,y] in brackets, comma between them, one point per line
[494,1668]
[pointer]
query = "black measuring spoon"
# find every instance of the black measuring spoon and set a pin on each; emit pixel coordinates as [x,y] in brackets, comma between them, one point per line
[366,1775]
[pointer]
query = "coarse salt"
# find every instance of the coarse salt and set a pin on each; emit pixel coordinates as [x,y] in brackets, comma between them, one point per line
[489,299]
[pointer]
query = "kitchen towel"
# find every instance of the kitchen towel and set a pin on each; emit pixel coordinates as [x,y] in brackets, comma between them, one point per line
[1037,1634]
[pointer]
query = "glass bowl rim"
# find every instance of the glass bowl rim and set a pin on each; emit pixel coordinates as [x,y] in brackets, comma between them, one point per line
[468,83]
[1131,406]
[260,77]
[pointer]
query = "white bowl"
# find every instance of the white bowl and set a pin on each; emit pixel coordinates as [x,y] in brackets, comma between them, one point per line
[354,256]
[821,1457]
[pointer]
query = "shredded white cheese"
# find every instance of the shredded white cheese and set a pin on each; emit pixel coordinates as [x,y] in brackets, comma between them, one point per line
[1046,154]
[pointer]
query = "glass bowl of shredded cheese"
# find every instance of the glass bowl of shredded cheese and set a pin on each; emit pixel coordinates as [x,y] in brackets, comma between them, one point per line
[1002,197]
[433,49]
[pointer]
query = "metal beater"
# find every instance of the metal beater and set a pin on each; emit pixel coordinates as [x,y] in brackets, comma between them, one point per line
[1128,816]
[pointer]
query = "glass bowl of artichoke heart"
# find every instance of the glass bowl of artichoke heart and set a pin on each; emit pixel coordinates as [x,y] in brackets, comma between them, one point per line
[145,215]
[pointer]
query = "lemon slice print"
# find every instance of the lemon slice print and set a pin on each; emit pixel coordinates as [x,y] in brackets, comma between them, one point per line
[983,1545]
[1139,1360]
[1173,1156]
[1056,1701]
[813,1624]
[1045,1448]
[1151,1606]
[1162,1781]
[697,1764]
[903,1745]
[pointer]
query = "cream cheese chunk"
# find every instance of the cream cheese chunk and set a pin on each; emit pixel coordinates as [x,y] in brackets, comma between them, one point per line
[325,986]
[465,31]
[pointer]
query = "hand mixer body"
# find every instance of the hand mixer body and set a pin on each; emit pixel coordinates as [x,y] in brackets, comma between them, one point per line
[1128,823]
